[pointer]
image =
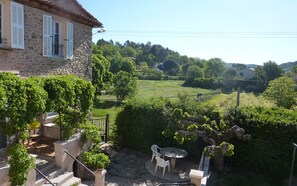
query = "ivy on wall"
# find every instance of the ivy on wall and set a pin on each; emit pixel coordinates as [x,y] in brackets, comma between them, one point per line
[22,100]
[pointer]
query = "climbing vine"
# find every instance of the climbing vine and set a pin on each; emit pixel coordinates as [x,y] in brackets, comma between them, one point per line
[21,101]
[72,99]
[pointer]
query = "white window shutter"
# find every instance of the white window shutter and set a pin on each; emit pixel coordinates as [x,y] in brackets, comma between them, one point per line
[47,35]
[17,25]
[69,46]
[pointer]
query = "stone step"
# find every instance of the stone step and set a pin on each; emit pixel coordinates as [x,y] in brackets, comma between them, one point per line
[72,181]
[50,172]
[60,180]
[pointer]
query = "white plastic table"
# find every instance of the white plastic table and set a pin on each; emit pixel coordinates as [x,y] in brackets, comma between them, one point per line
[173,153]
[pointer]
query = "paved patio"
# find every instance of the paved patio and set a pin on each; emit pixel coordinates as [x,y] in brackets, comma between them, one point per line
[130,167]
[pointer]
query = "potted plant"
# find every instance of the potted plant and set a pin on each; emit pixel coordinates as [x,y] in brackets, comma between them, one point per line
[95,161]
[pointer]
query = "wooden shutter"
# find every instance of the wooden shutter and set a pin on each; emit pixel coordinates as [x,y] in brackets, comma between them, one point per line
[47,35]
[17,25]
[69,46]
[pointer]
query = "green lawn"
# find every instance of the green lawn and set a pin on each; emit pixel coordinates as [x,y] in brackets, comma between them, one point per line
[107,104]
[147,89]
[166,89]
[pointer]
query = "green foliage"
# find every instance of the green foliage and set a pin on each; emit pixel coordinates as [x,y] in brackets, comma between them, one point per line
[215,67]
[273,130]
[171,68]
[272,70]
[101,77]
[72,98]
[194,71]
[95,160]
[24,100]
[90,132]
[20,163]
[124,85]
[282,92]
[207,83]
[230,73]
[142,123]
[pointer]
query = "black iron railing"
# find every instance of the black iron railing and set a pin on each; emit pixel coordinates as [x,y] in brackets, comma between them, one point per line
[47,180]
[103,125]
[83,165]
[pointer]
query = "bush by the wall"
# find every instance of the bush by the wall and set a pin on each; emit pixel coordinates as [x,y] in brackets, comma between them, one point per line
[272,131]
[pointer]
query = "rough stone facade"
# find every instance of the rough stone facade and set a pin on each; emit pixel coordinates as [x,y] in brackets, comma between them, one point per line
[31,62]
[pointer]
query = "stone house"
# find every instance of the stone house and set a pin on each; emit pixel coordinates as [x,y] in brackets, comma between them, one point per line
[44,37]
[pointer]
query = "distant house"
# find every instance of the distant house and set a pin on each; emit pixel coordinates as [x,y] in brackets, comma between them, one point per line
[242,71]
[43,37]
[246,73]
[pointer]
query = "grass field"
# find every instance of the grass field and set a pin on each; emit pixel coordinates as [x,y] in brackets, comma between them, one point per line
[107,104]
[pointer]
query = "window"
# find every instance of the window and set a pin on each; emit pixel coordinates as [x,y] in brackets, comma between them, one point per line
[69,52]
[53,38]
[57,44]
[17,25]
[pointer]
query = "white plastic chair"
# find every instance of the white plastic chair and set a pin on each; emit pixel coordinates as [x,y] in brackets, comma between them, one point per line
[156,152]
[162,163]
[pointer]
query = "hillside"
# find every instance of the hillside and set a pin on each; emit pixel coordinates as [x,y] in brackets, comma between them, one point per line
[288,66]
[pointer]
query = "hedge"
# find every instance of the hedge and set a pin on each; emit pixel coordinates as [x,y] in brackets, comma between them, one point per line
[141,123]
[273,130]
[227,85]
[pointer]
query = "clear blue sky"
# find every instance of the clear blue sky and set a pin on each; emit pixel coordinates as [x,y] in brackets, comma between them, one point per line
[238,31]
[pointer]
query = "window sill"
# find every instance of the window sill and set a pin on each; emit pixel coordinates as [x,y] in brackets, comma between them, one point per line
[57,59]
[5,48]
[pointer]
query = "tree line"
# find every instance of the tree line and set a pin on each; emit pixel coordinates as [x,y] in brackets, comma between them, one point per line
[153,61]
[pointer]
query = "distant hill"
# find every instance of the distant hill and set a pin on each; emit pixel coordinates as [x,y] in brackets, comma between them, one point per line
[288,66]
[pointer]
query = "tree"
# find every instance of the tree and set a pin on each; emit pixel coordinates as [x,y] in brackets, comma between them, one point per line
[101,77]
[282,92]
[215,67]
[272,71]
[128,52]
[171,67]
[217,133]
[194,71]
[260,73]
[230,73]
[124,85]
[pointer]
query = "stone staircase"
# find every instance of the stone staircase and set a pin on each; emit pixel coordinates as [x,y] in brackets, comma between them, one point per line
[57,176]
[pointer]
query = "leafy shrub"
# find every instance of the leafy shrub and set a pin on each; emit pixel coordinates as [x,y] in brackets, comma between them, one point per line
[272,131]
[95,160]
[90,132]
[207,83]
[20,163]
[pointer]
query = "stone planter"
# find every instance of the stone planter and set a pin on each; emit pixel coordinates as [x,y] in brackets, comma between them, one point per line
[100,177]
[73,146]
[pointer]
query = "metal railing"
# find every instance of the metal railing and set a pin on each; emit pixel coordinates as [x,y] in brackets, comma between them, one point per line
[103,125]
[83,165]
[45,177]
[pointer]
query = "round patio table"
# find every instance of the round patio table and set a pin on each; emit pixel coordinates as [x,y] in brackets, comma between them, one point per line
[173,153]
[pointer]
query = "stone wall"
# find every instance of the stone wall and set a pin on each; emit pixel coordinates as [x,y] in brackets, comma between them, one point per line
[31,62]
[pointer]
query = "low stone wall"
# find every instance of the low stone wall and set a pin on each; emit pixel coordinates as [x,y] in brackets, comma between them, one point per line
[4,178]
[73,146]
